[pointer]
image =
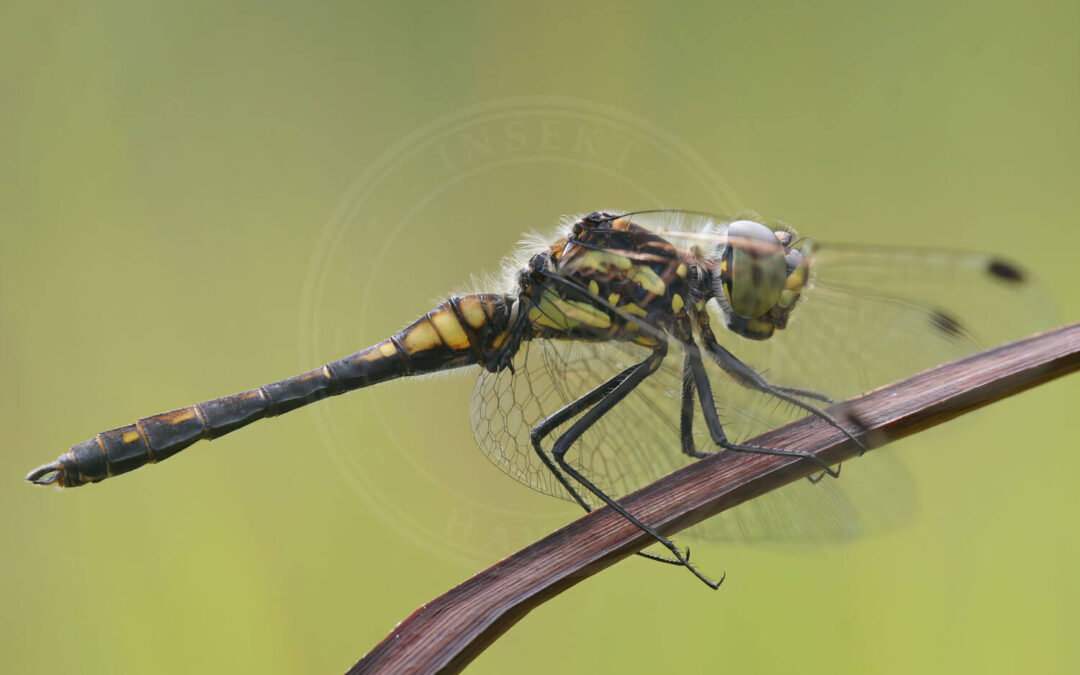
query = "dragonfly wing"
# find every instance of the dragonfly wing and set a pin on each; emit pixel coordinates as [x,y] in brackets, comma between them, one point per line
[638,441]
[869,317]
[872,316]
[548,375]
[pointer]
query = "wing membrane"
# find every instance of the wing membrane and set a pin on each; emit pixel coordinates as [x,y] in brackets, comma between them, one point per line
[869,316]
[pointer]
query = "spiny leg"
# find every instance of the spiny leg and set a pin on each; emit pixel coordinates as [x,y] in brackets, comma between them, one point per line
[716,428]
[572,409]
[606,403]
[748,377]
[817,396]
[805,393]
[686,415]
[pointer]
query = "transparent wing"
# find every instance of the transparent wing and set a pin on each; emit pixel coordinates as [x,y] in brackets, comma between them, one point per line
[634,444]
[870,316]
[638,441]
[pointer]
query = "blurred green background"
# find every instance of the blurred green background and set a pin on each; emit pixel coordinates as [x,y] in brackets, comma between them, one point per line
[182,197]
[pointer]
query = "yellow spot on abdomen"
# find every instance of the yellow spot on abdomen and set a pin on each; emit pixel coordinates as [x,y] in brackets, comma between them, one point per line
[473,310]
[383,350]
[388,349]
[449,328]
[130,436]
[183,416]
[420,337]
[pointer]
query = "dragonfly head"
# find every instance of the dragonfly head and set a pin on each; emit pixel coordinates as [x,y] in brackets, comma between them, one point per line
[758,277]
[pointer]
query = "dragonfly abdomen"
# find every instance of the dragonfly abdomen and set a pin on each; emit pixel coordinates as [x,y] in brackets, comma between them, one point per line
[461,331]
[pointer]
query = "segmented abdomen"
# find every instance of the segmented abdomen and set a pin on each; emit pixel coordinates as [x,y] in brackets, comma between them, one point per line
[461,331]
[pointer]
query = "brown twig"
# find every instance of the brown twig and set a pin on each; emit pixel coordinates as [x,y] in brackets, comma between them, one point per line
[451,630]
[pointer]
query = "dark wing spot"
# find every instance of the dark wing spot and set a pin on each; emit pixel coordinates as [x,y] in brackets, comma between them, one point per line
[1004,270]
[946,324]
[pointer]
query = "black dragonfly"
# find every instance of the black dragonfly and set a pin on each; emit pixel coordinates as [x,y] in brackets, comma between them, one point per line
[601,367]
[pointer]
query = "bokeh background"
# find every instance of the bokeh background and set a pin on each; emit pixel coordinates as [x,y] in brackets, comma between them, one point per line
[199,197]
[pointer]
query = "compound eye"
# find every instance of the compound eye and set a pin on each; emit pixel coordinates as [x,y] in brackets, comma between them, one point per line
[756,267]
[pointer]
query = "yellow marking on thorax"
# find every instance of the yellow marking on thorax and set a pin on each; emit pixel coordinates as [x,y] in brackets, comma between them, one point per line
[584,313]
[473,310]
[561,314]
[449,328]
[130,436]
[644,276]
[681,270]
[602,261]
[594,287]
[539,318]
[631,308]
[613,298]
[421,337]
[677,303]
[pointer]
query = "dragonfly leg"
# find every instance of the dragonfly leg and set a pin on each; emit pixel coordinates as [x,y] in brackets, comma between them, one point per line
[750,378]
[716,428]
[686,415]
[805,393]
[609,400]
[816,478]
[574,408]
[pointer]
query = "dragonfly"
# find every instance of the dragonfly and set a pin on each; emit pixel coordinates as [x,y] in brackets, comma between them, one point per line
[631,343]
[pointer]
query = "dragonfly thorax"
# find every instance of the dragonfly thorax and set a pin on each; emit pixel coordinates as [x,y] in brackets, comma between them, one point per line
[608,272]
[608,279]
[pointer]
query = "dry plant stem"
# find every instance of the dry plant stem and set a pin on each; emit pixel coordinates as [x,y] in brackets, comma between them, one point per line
[451,630]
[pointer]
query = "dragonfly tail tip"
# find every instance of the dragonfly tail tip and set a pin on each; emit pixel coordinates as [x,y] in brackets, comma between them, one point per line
[47,474]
